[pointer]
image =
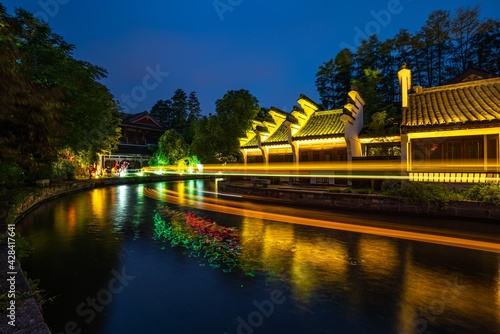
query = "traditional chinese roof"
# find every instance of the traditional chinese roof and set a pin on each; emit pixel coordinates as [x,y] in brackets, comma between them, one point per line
[252,143]
[322,124]
[471,74]
[308,99]
[280,136]
[140,120]
[473,102]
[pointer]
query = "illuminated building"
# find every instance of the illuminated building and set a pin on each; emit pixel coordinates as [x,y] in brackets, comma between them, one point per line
[448,133]
[138,133]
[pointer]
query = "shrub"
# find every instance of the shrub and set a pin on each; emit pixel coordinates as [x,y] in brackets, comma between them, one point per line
[486,193]
[424,193]
[64,170]
[390,185]
[11,174]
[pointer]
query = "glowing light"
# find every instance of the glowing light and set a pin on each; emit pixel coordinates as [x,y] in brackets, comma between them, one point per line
[227,206]
[217,244]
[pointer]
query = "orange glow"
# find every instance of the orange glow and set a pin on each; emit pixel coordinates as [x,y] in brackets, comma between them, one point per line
[98,203]
[227,206]
[466,171]
[71,218]
[374,265]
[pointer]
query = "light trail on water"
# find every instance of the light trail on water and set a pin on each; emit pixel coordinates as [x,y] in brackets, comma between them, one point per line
[228,207]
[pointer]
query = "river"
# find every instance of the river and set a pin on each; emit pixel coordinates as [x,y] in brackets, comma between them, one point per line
[175,257]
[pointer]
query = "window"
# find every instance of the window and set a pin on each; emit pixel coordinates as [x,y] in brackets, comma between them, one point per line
[492,152]
[474,150]
[452,151]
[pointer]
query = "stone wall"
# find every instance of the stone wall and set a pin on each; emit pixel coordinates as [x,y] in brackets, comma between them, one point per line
[362,202]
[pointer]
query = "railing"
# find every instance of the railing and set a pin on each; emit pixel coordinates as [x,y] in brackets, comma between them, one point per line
[455,177]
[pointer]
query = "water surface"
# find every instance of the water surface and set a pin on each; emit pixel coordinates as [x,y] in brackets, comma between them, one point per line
[96,254]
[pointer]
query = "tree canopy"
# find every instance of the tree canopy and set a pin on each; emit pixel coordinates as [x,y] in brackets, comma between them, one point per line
[179,113]
[446,45]
[52,101]
[171,148]
[217,136]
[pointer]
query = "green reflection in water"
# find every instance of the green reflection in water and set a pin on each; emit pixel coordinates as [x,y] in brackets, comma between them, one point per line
[202,238]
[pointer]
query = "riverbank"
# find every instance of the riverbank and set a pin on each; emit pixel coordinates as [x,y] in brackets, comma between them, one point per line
[322,197]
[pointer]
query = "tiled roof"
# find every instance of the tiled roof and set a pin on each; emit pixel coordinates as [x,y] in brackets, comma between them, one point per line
[305,97]
[471,102]
[472,74]
[322,124]
[252,143]
[141,120]
[279,136]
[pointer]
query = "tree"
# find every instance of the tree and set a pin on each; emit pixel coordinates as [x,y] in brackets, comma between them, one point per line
[161,113]
[368,86]
[325,83]
[208,138]
[367,56]
[179,110]
[55,101]
[29,115]
[435,36]
[486,46]
[171,149]
[464,26]
[236,110]
[193,115]
[333,80]
[216,137]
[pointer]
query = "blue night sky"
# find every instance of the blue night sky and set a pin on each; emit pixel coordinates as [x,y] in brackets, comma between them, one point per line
[271,48]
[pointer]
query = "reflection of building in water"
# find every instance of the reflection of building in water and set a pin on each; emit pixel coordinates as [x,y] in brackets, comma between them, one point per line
[379,255]
[277,247]
[318,263]
[98,204]
[357,268]
[436,298]
[251,240]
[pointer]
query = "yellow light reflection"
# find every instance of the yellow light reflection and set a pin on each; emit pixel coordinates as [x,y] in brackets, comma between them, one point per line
[379,255]
[224,206]
[66,220]
[98,199]
[71,219]
[434,296]
[278,244]
[251,238]
[315,264]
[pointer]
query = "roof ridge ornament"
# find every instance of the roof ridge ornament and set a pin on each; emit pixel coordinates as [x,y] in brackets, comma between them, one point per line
[404,78]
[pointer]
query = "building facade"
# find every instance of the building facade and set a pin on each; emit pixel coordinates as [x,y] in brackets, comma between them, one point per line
[448,133]
[139,137]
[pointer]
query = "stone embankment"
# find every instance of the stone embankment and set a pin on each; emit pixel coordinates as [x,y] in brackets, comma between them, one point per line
[365,202]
